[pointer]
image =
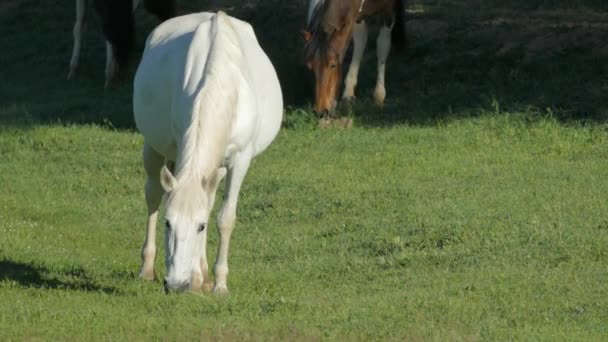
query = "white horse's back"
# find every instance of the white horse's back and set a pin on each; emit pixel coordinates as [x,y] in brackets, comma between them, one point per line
[171,73]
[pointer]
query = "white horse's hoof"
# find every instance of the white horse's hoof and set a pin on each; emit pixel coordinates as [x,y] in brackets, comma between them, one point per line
[220,291]
[207,287]
[147,275]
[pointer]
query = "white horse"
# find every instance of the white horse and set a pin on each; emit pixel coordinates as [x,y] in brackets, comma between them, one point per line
[207,98]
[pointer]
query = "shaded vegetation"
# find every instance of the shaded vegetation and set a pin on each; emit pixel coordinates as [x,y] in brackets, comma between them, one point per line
[466,58]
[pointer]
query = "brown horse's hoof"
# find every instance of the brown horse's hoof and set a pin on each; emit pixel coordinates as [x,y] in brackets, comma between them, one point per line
[343,122]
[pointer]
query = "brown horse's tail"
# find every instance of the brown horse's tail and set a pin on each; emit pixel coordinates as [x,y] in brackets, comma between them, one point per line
[399,33]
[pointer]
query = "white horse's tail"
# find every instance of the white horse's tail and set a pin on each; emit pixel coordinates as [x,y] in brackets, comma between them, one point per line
[216,100]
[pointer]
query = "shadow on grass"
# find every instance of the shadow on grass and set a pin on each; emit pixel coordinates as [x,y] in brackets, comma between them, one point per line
[36,276]
[461,63]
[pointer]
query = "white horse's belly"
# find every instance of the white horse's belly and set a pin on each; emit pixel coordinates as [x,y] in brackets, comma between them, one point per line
[158,132]
[268,103]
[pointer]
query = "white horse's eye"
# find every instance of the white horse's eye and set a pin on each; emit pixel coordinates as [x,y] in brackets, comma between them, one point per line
[202,227]
[167,224]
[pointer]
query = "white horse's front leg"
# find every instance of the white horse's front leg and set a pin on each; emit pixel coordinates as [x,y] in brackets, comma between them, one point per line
[227,218]
[77,32]
[200,274]
[384,48]
[359,42]
[154,192]
[207,284]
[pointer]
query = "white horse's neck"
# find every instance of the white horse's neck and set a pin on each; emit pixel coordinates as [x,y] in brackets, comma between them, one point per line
[214,107]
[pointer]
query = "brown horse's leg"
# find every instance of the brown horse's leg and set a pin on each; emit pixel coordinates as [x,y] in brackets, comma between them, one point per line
[384,47]
[359,42]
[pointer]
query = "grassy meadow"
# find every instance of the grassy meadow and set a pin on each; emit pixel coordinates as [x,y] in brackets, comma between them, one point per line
[473,206]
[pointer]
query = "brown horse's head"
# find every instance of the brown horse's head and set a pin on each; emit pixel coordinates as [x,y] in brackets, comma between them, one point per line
[327,38]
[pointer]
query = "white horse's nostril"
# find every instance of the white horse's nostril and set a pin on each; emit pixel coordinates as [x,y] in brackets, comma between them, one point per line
[178,287]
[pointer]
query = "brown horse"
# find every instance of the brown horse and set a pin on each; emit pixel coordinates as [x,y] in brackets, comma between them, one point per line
[118,29]
[331,26]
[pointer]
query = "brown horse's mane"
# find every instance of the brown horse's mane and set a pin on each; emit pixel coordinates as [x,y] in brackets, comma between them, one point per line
[330,16]
[319,41]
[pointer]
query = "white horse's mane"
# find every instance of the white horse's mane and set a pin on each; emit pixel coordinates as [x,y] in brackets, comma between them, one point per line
[215,103]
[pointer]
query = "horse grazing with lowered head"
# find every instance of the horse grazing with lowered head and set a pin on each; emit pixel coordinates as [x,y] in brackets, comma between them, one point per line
[207,100]
[331,26]
[118,28]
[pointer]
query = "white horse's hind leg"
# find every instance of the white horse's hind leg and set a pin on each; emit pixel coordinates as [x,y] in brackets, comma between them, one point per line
[154,192]
[227,218]
[77,32]
[359,42]
[110,64]
[384,47]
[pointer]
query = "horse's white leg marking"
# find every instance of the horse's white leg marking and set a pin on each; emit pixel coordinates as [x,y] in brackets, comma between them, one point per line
[77,32]
[154,192]
[199,275]
[227,218]
[361,6]
[110,64]
[207,283]
[359,42]
[384,47]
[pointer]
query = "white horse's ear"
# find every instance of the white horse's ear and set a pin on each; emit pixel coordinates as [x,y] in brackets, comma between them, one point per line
[166,179]
[212,183]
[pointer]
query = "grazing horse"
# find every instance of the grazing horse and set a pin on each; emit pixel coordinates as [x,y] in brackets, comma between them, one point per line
[207,100]
[118,28]
[331,26]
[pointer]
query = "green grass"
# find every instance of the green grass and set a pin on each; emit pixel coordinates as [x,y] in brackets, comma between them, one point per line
[472,207]
[490,228]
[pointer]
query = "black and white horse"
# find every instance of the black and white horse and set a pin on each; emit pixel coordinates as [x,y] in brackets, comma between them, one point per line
[118,28]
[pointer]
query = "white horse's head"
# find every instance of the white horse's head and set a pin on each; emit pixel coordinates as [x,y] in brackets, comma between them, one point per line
[189,204]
